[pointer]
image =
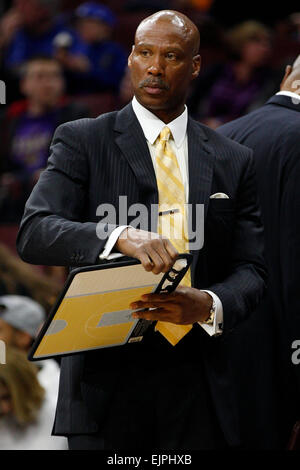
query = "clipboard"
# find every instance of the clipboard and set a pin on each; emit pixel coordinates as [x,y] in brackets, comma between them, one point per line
[92,311]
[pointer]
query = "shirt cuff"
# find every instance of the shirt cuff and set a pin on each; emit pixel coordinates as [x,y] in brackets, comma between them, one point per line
[112,239]
[216,328]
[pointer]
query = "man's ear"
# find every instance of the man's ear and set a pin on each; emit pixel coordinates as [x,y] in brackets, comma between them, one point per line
[130,57]
[288,71]
[196,66]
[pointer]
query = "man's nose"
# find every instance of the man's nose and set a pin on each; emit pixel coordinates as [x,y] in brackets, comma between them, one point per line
[156,66]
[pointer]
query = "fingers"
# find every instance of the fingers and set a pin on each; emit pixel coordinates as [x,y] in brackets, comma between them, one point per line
[160,262]
[173,315]
[161,253]
[157,299]
[157,314]
[146,261]
[171,250]
[156,253]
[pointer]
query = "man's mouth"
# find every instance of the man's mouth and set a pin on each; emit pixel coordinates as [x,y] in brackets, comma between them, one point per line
[154,87]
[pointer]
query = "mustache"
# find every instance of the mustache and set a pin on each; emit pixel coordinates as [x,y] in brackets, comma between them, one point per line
[154,82]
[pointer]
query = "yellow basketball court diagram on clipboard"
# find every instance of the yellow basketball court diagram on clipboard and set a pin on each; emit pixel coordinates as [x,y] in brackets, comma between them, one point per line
[94,311]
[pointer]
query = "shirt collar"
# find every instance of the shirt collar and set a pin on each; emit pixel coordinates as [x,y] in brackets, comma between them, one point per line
[290,94]
[152,125]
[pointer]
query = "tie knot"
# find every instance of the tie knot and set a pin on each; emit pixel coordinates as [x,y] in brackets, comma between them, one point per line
[165,134]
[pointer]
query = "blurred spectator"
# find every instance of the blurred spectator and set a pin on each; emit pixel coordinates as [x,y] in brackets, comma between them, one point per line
[26,129]
[26,411]
[29,30]
[10,22]
[104,61]
[17,277]
[20,321]
[235,88]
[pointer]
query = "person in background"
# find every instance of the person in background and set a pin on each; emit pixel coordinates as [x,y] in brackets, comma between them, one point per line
[229,90]
[21,318]
[103,60]
[35,24]
[26,129]
[26,412]
[272,131]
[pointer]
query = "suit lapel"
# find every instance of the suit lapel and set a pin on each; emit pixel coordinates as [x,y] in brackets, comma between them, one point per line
[201,163]
[132,143]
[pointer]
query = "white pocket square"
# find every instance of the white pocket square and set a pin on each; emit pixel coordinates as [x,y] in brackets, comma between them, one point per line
[219,196]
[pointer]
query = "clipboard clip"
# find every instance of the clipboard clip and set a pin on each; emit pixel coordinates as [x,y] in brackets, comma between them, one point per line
[173,277]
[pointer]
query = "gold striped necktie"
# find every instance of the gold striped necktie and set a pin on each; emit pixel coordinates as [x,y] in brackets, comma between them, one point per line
[171,225]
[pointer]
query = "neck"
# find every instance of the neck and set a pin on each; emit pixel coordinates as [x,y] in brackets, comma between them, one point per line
[296,91]
[166,115]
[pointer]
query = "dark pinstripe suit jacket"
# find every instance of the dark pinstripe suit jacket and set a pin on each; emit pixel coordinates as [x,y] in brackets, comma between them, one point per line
[93,161]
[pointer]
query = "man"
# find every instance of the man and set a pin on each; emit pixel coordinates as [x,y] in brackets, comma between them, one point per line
[272,132]
[27,127]
[153,394]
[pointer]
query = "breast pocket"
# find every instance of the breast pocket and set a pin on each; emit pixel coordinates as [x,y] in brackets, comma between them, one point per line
[221,204]
[220,223]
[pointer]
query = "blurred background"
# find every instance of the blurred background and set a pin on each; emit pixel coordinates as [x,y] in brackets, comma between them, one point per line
[64,60]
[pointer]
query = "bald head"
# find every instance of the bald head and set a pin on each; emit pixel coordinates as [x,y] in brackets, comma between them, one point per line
[291,80]
[178,22]
[163,62]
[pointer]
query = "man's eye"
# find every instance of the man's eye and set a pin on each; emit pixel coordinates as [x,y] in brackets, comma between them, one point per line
[171,56]
[145,53]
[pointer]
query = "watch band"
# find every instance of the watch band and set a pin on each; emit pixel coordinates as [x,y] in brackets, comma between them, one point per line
[210,320]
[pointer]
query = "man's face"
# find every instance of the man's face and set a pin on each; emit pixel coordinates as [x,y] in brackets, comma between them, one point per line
[43,83]
[162,66]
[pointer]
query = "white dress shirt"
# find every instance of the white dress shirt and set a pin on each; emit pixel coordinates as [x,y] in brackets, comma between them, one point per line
[152,127]
[291,94]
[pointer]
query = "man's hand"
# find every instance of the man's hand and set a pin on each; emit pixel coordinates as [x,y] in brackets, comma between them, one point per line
[184,306]
[155,252]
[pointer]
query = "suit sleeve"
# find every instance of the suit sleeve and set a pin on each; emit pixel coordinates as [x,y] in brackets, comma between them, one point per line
[243,288]
[53,230]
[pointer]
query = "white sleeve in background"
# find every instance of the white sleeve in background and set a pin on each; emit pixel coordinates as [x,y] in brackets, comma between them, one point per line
[112,239]
[216,328]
